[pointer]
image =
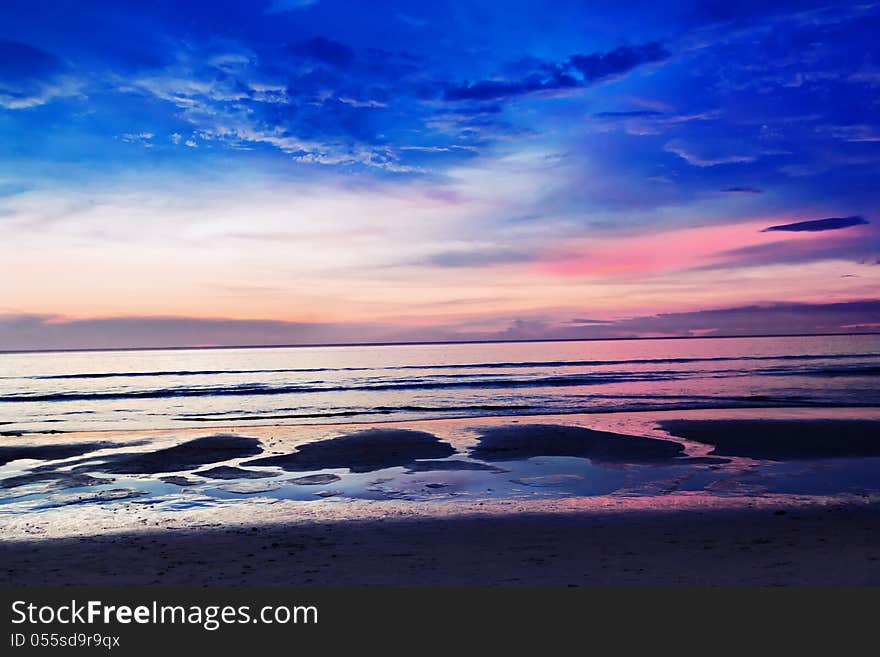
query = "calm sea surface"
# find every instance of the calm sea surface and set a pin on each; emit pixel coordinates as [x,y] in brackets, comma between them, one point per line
[217,387]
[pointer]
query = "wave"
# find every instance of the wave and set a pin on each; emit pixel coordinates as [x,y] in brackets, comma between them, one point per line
[433,382]
[846,371]
[379,410]
[856,370]
[249,389]
[454,366]
[622,403]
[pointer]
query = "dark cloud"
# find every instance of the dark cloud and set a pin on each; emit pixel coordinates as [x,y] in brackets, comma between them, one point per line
[325,50]
[816,225]
[598,66]
[743,190]
[578,71]
[497,89]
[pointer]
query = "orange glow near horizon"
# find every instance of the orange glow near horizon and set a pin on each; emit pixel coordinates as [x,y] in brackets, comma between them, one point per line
[335,255]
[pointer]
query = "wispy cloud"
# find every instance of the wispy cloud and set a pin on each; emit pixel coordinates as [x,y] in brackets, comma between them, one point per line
[282,6]
[479,257]
[696,155]
[31,76]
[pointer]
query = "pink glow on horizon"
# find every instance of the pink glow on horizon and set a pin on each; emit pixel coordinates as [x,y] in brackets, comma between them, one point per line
[687,248]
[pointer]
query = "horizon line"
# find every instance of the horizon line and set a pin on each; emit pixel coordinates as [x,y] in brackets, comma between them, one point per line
[431,342]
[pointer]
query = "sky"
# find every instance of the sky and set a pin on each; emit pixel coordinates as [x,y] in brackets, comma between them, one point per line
[178,173]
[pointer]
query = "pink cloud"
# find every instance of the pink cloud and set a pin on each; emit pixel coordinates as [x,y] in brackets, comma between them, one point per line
[673,250]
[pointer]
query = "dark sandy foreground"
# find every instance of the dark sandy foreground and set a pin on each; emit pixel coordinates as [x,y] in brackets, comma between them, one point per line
[814,546]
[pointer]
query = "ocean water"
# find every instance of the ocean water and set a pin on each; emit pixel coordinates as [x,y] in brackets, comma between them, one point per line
[169,389]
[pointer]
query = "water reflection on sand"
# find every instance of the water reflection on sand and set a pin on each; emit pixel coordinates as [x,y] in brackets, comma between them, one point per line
[715,454]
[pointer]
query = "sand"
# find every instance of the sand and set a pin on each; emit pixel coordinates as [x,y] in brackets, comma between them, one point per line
[782,440]
[47,452]
[118,530]
[806,545]
[508,443]
[228,472]
[362,451]
[192,453]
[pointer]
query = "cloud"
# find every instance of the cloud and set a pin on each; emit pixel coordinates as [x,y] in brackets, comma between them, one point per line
[765,319]
[362,103]
[598,66]
[698,158]
[324,50]
[863,250]
[227,82]
[743,190]
[30,76]
[281,6]
[817,225]
[499,89]
[590,322]
[46,332]
[479,258]
[855,133]
[628,114]
[232,100]
[577,71]
[28,332]
[775,318]
[142,138]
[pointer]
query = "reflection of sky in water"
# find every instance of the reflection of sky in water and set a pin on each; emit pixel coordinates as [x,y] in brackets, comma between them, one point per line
[534,478]
[823,477]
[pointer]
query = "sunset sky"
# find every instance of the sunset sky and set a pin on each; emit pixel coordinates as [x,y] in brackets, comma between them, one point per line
[310,171]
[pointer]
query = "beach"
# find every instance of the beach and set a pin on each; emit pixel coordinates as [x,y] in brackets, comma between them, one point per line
[747,461]
[444,294]
[767,497]
[828,544]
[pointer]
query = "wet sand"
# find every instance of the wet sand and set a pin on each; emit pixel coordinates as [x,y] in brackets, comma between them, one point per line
[777,497]
[782,440]
[362,451]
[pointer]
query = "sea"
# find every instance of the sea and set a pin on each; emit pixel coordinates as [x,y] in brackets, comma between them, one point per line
[205,387]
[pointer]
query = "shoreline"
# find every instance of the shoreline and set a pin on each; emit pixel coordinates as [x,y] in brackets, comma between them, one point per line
[673,513]
[871,411]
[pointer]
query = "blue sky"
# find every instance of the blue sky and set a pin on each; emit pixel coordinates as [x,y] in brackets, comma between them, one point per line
[434,171]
